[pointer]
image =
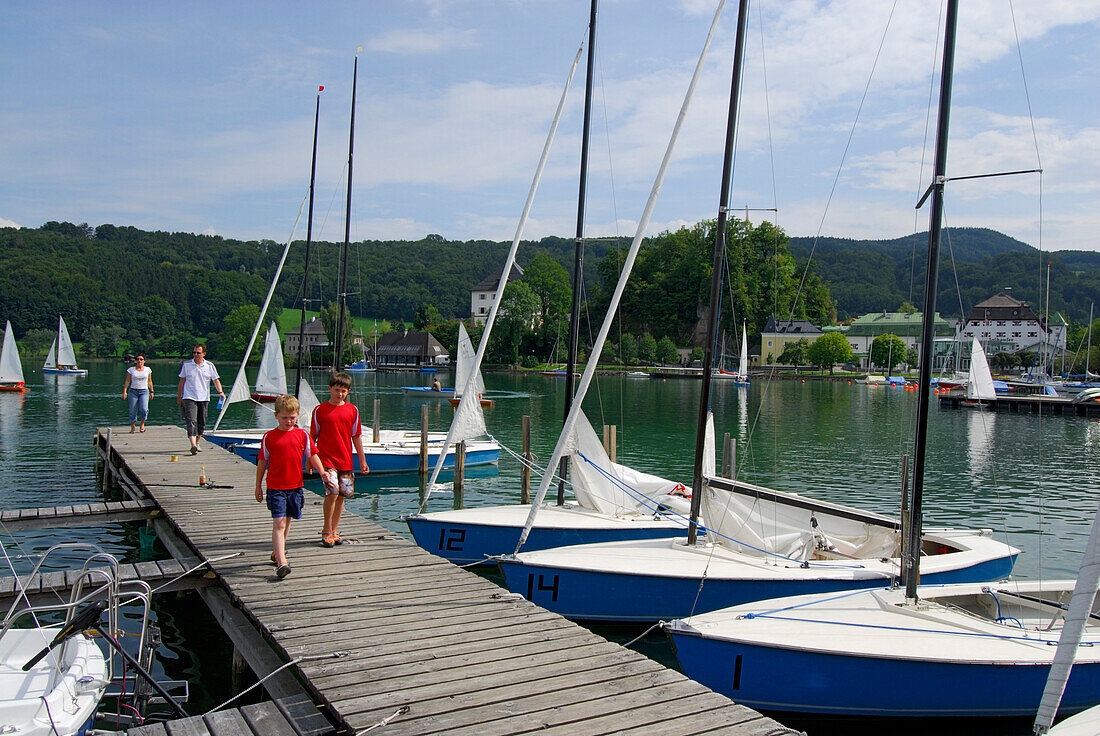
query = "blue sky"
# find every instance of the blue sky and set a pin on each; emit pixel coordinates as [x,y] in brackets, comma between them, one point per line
[198,116]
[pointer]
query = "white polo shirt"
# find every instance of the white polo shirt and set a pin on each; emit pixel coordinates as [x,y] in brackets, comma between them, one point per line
[197,378]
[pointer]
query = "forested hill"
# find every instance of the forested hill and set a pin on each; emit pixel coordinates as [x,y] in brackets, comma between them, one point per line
[159,283]
[868,275]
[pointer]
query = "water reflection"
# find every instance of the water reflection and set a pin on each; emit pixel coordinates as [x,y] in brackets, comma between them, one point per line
[980,425]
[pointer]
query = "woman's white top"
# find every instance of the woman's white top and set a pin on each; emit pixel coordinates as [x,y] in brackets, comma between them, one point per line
[139,379]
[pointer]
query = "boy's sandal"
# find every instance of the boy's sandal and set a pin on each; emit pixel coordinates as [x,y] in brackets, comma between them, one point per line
[282,572]
[337,539]
[327,539]
[274,559]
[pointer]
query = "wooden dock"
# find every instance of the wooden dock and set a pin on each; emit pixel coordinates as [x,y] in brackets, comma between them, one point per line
[1026,404]
[380,630]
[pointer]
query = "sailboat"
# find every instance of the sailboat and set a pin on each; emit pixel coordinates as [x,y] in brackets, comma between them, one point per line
[11,369]
[758,540]
[980,649]
[62,358]
[612,501]
[271,380]
[980,389]
[464,366]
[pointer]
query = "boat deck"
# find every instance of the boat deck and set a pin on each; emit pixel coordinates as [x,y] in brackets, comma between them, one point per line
[380,629]
[1027,404]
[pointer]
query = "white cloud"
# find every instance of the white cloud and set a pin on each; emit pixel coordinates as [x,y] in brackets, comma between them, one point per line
[422,41]
[5,222]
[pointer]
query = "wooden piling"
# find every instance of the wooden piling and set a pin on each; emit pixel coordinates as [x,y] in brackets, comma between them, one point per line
[460,472]
[107,462]
[423,466]
[726,456]
[376,423]
[607,439]
[613,452]
[525,471]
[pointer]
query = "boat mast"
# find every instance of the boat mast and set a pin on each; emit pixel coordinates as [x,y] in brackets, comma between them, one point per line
[309,242]
[578,246]
[910,565]
[716,272]
[338,354]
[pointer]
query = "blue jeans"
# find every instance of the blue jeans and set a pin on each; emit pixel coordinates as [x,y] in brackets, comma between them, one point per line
[138,399]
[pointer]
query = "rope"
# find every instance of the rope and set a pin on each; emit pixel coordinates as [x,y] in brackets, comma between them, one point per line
[308,658]
[399,712]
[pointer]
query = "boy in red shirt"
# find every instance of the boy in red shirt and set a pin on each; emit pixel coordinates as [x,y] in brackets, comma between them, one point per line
[335,427]
[281,455]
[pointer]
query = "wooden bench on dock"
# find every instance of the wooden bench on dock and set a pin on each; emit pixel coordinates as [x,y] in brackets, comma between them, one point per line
[380,630]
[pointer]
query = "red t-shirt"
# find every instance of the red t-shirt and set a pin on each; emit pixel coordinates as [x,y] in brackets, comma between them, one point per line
[285,452]
[333,427]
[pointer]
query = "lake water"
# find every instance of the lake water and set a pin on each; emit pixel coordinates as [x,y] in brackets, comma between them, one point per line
[1033,479]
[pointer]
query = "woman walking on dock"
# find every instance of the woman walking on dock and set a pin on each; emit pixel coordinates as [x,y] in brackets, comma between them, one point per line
[137,389]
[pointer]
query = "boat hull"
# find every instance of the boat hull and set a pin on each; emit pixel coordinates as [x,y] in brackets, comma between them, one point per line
[62,691]
[20,388]
[825,683]
[66,371]
[425,392]
[397,460]
[473,536]
[644,585]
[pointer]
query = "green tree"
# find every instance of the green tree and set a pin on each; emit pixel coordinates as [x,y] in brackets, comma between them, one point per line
[237,327]
[887,351]
[696,354]
[647,349]
[666,351]
[912,356]
[36,342]
[518,306]
[427,317]
[628,349]
[549,282]
[907,308]
[830,349]
[154,315]
[796,353]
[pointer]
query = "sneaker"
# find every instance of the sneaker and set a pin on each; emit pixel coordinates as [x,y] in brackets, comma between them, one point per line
[337,539]
[198,449]
[274,560]
[194,450]
[327,538]
[282,572]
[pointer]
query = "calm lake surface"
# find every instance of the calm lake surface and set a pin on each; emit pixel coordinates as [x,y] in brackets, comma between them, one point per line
[1033,479]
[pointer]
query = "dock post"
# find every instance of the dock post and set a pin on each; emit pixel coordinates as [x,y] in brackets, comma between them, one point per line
[423,467]
[733,460]
[107,462]
[460,472]
[377,421]
[726,456]
[613,452]
[607,439]
[525,471]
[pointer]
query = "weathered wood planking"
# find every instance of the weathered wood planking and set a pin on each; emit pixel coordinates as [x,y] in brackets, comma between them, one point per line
[260,719]
[66,516]
[411,631]
[50,586]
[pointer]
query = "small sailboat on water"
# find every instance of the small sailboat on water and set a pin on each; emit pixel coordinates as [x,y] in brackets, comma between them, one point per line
[11,369]
[465,364]
[62,357]
[980,389]
[271,380]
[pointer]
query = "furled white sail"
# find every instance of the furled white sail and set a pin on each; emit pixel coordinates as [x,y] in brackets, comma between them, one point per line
[465,363]
[743,364]
[65,353]
[608,487]
[980,383]
[51,358]
[1080,608]
[307,401]
[271,379]
[11,370]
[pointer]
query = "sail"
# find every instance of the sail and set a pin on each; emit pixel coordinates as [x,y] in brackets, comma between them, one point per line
[307,402]
[65,353]
[51,359]
[271,379]
[605,486]
[743,365]
[1077,615]
[466,363]
[11,370]
[980,384]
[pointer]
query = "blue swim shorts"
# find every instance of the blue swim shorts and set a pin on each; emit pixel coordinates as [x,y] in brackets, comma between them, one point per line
[286,503]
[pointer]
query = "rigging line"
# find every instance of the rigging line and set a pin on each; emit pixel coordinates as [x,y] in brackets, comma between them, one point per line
[844,155]
[767,108]
[1023,78]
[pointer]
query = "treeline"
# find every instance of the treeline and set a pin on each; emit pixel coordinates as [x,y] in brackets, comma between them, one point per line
[871,275]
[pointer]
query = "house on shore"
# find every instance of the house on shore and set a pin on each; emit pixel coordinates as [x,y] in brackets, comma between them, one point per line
[482,295]
[410,351]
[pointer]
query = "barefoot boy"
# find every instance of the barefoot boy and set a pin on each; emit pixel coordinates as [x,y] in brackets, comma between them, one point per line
[335,427]
[281,454]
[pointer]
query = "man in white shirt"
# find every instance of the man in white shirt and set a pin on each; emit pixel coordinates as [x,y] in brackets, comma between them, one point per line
[193,394]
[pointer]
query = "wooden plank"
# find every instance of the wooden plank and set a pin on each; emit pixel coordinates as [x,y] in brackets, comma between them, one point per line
[265,719]
[227,723]
[193,726]
[152,729]
[303,714]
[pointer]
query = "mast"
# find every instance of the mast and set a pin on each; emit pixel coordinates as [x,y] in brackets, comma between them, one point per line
[910,565]
[309,242]
[1088,350]
[1046,333]
[338,354]
[578,247]
[716,272]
